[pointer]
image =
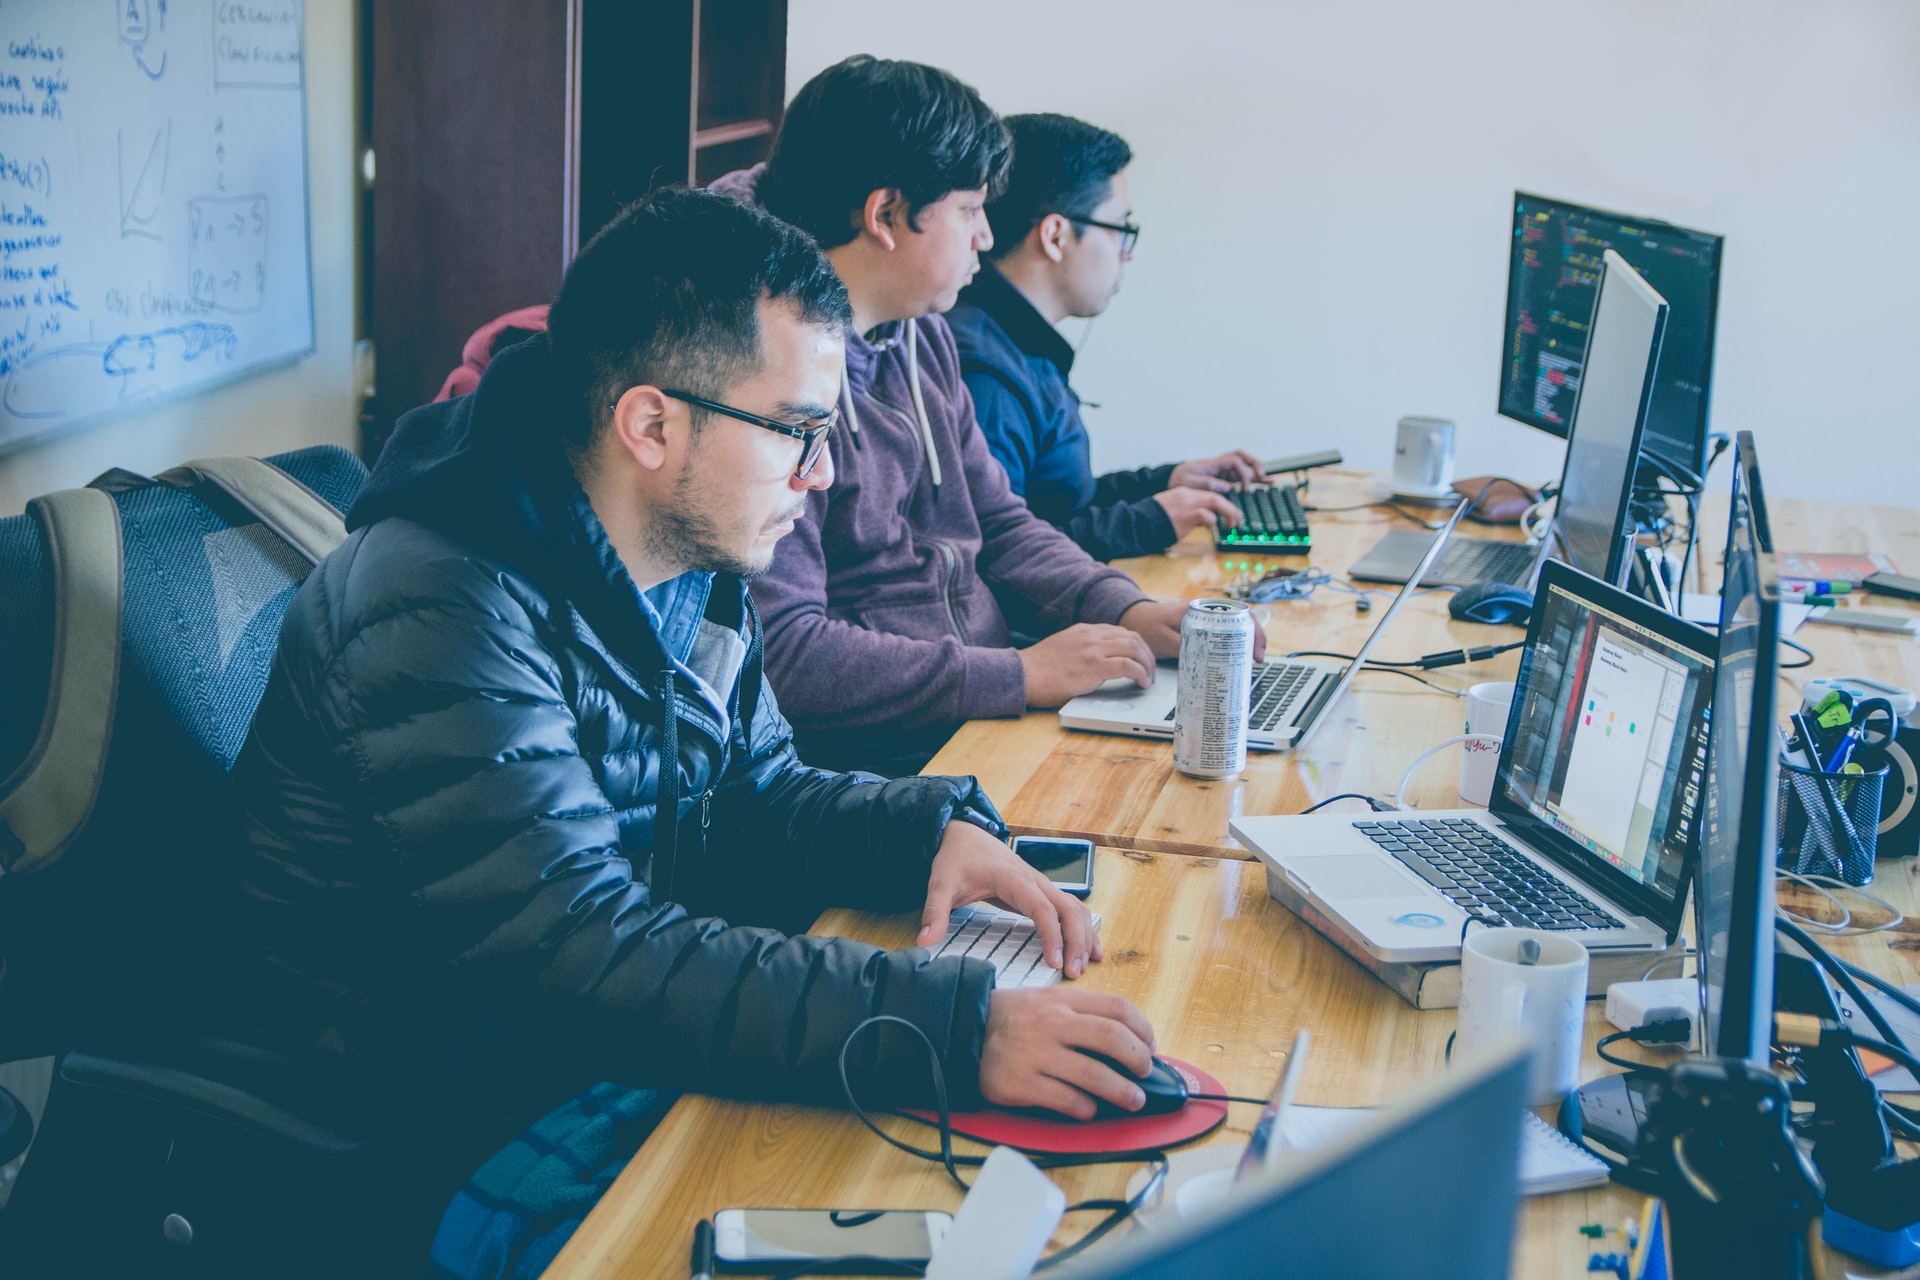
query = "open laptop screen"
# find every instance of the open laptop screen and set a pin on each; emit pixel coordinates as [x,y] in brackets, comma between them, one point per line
[1605,752]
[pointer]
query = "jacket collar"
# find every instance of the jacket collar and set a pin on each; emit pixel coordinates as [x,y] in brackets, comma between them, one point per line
[996,295]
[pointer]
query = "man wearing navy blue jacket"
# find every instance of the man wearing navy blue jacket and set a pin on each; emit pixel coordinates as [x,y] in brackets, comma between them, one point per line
[1062,234]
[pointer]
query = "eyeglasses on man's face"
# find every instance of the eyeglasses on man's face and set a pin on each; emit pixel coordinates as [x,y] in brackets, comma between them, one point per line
[812,433]
[1128,232]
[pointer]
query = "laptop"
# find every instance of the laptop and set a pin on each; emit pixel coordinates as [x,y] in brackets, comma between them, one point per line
[1597,799]
[1425,1190]
[1592,515]
[1290,696]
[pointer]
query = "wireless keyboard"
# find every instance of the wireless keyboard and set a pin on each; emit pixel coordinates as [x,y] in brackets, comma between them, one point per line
[1004,939]
[1273,521]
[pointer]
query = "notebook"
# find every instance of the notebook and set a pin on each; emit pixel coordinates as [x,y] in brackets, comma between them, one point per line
[1549,1160]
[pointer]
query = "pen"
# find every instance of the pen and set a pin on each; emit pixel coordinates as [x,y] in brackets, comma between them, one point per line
[702,1265]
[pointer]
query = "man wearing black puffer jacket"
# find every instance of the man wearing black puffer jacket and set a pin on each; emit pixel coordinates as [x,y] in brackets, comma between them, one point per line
[463,903]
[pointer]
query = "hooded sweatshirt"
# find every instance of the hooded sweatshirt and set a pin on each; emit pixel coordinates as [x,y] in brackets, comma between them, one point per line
[892,607]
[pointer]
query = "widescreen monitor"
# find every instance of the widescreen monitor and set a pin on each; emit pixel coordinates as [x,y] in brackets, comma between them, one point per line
[1553,270]
[1593,515]
[1734,893]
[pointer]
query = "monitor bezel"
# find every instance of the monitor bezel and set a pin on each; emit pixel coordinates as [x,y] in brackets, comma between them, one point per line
[1616,885]
[1696,460]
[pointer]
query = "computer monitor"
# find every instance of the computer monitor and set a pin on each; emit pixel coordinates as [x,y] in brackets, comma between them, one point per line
[1554,268]
[1734,893]
[1604,426]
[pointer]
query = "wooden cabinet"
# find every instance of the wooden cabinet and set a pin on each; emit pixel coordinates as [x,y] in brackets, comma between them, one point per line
[505,134]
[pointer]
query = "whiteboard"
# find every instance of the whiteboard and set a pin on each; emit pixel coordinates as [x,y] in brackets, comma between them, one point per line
[153,203]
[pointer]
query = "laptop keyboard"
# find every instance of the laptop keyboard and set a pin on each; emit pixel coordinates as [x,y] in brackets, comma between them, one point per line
[1277,689]
[1004,939]
[1274,520]
[1473,560]
[1476,869]
[1277,686]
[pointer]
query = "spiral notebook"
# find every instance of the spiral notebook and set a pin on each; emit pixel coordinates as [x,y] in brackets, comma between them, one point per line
[1549,1161]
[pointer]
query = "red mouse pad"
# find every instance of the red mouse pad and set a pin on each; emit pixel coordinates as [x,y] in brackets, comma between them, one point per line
[1059,1135]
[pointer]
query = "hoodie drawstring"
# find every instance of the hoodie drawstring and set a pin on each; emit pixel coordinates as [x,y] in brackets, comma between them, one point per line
[919,404]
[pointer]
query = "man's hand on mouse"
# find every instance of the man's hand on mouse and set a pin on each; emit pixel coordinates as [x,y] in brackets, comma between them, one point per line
[1037,1044]
[972,866]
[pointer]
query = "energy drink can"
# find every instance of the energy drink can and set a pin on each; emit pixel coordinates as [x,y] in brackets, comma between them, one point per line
[1216,686]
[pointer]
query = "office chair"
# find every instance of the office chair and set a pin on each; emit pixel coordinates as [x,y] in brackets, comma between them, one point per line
[160,1152]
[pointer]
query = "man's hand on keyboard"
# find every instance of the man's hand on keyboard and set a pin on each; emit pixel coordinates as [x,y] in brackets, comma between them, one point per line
[1221,473]
[1081,658]
[1189,509]
[1033,1055]
[1158,623]
[974,867]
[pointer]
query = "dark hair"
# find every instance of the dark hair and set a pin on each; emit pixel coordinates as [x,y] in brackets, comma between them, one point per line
[866,124]
[1060,165]
[668,294]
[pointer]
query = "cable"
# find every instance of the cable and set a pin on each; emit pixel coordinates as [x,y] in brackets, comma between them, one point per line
[1428,754]
[1377,806]
[1225,1097]
[1681,957]
[1826,960]
[1426,662]
[1795,666]
[1844,928]
[1899,997]
[1668,1031]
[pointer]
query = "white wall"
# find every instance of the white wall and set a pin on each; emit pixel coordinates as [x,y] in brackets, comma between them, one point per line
[311,402]
[1325,190]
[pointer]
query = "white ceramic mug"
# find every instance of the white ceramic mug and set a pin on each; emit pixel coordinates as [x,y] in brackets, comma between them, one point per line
[1487,706]
[1423,455]
[1544,1004]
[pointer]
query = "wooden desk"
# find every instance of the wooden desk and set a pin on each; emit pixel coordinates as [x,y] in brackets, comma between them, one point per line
[1225,974]
[1125,792]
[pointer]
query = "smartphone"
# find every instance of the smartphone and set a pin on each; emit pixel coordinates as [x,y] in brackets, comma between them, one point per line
[1302,462]
[1066,862]
[748,1239]
[1893,584]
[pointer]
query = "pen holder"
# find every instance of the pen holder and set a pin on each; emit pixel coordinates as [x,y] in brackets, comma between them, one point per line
[1809,843]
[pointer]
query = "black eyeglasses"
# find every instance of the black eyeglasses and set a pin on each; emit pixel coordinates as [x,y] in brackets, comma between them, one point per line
[1129,232]
[812,433]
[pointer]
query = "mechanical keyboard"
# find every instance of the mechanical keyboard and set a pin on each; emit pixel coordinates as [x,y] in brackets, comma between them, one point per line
[1006,940]
[1478,870]
[1273,520]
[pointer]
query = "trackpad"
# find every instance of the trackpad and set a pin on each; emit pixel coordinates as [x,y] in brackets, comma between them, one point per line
[1357,875]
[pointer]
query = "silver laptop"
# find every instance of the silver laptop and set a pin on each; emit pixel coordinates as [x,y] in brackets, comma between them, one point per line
[1291,696]
[1596,799]
[1424,1190]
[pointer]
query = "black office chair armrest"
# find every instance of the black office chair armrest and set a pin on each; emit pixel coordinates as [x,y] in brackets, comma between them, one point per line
[211,1099]
[16,1128]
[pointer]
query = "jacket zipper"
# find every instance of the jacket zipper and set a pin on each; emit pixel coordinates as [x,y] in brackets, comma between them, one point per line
[950,564]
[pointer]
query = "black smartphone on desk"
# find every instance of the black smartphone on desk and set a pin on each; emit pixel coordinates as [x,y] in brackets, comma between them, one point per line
[748,1240]
[1065,861]
[1892,584]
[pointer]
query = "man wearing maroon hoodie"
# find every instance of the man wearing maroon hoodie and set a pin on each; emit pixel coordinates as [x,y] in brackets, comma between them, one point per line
[894,609]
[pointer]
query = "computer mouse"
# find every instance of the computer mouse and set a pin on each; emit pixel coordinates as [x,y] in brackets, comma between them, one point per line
[1166,1090]
[1493,602]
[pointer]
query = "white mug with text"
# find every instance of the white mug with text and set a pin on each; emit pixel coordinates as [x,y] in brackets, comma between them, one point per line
[1487,706]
